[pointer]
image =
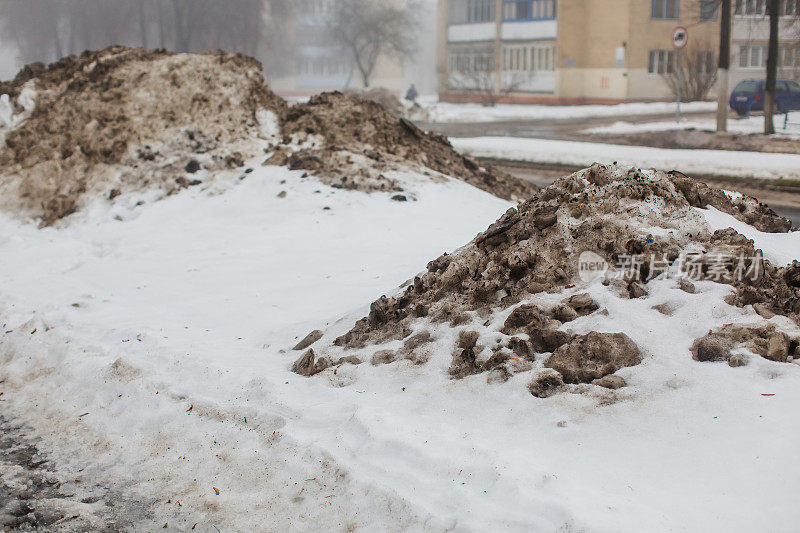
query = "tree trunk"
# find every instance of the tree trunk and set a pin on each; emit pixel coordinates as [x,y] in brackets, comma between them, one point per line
[724,65]
[143,23]
[772,67]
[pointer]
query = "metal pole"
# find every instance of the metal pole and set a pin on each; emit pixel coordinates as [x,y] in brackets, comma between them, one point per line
[724,65]
[678,112]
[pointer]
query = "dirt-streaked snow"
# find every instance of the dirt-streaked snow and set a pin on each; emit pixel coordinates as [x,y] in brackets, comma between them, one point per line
[443,112]
[167,379]
[581,154]
[747,126]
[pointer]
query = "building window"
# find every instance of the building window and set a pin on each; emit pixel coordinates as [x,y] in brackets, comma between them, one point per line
[666,9]
[661,62]
[320,7]
[706,62]
[790,8]
[471,11]
[788,57]
[515,10]
[708,9]
[753,56]
[751,7]
[321,67]
[471,61]
[529,59]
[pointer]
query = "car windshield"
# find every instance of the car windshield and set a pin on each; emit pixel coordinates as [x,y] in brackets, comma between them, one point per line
[747,87]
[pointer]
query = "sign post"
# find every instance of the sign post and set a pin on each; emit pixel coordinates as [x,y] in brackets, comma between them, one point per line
[680,38]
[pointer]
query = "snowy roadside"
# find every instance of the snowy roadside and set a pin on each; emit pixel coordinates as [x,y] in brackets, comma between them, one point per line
[721,163]
[745,126]
[443,112]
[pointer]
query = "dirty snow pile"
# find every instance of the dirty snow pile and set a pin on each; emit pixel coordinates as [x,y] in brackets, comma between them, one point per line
[121,120]
[354,143]
[125,119]
[498,305]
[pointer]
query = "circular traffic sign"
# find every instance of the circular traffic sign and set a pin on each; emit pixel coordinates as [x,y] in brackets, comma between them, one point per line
[680,37]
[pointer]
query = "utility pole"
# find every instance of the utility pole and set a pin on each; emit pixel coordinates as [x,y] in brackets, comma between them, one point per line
[724,65]
[772,66]
[498,47]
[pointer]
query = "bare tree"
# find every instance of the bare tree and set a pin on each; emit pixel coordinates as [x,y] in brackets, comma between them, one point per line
[695,75]
[481,82]
[369,29]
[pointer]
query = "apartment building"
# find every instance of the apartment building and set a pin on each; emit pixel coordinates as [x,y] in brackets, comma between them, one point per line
[750,38]
[568,51]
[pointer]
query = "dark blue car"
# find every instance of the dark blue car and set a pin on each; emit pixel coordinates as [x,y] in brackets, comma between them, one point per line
[749,96]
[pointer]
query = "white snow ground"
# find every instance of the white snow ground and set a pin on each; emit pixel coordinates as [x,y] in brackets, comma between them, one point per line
[444,112]
[706,162]
[744,126]
[168,379]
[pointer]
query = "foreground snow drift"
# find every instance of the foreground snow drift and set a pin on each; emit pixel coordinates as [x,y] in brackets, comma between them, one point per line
[580,154]
[148,352]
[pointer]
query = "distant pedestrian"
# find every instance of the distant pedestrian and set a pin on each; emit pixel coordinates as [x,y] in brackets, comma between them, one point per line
[412,94]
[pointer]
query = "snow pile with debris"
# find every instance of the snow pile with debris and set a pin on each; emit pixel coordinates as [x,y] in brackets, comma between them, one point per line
[724,163]
[353,143]
[149,348]
[743,126]
[123,120]
[491,305]
[443,112]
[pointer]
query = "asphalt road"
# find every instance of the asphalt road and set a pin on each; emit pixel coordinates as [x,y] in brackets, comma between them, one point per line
[785,201]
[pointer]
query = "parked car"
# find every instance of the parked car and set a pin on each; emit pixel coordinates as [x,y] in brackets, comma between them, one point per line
[749,96]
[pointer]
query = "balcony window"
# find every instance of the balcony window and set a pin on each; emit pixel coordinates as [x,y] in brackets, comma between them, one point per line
[751,7]
[522,10]
[471,11]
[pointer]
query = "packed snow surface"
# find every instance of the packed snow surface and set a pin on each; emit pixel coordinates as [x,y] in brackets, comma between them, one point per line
[144,345]
[581,154]
[444,112]
[785,127]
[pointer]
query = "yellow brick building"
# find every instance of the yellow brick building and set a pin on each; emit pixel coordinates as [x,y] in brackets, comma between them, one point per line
[568,51]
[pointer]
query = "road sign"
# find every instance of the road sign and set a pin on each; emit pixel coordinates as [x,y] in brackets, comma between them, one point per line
[680,37]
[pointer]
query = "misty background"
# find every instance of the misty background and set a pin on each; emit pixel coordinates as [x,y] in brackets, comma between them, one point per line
[46,30]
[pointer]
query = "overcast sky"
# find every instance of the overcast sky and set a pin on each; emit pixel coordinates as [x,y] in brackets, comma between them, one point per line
[7,67]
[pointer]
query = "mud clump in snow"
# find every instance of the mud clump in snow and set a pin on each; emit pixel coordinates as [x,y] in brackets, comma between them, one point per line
[729,343]
[745,208]
[352,143]
[123,119]
[594,356]
[506,301]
